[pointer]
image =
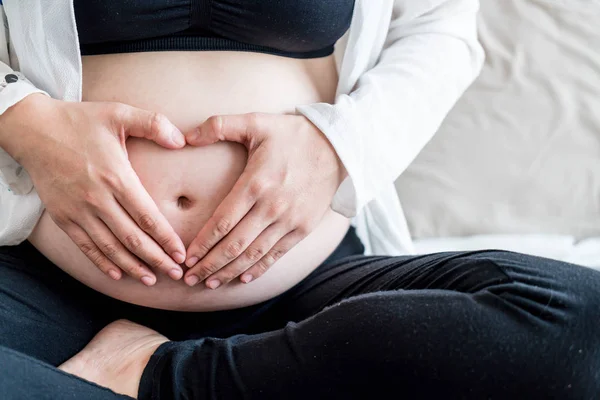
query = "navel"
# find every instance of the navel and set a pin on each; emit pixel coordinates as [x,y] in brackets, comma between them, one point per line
[184,202]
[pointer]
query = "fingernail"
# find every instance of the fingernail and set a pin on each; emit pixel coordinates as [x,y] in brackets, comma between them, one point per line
[247,278]
[148,280]
[178,257]
[215,283]
[192,261]
[178,138]
[176,273]
[114,275]
[192,280]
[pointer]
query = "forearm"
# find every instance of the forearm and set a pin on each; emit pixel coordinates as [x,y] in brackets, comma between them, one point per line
[18,123]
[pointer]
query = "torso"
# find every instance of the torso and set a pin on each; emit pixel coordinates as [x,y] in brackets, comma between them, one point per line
[188,87]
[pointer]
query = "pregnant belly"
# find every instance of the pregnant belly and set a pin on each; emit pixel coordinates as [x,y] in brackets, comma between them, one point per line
[188,184]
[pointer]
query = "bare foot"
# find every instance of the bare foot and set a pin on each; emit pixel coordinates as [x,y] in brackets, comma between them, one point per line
[116,357]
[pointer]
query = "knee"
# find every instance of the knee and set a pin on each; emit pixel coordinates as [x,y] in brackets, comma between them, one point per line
[525,265]
[580,284]
[571,290]
[574,337]
[560,302]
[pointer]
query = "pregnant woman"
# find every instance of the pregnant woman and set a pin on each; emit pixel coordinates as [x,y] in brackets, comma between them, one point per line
[193,194]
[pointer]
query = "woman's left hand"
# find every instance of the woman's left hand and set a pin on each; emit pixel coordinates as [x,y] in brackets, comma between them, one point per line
[287,186]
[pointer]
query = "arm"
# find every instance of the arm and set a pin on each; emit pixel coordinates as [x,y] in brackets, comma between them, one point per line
[75,155]
[431,55]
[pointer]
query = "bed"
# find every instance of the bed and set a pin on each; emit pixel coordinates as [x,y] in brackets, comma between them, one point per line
[565,248]
[516,164]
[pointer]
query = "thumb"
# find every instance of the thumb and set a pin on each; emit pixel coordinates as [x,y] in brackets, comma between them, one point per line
[231,128]
[152,126]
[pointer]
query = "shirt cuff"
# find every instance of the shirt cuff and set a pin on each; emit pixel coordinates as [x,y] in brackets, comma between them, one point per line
[14,87]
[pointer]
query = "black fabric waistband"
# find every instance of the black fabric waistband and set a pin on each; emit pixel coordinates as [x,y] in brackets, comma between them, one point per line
[192,43]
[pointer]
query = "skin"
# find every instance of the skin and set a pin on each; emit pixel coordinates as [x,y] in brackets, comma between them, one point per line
[189,185]
[116,357]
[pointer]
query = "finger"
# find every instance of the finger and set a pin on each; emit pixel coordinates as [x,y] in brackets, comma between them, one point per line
[253,254]
[230,247]
[152,126]
[232,128]
[114,250]
[136,241]
[134,198]
[277,251]
[228,214]
[92,252]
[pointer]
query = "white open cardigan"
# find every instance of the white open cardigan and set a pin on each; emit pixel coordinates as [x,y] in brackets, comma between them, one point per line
[402,66]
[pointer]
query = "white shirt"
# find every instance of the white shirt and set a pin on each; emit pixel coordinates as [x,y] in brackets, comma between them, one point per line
[402,66]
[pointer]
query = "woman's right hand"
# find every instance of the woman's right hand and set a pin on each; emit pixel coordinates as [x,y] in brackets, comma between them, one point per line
[76,157]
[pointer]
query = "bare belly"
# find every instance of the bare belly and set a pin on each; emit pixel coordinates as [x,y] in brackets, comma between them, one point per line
[188,88]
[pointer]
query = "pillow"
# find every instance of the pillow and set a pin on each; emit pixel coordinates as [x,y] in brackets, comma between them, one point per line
[520,152]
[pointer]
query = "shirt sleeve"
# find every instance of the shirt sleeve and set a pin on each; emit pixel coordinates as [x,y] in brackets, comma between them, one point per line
[14,87]
[430,56]
[20,206]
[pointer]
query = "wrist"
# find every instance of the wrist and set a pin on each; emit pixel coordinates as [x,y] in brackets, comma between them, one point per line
[332,155]
[19,124]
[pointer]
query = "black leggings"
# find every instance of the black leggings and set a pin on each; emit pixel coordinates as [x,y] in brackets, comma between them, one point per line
[474,325]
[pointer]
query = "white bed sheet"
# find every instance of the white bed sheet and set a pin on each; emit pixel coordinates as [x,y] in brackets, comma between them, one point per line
[520,153]
[559,247]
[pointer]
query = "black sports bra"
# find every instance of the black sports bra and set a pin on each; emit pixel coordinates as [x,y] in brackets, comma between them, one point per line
[290,28]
